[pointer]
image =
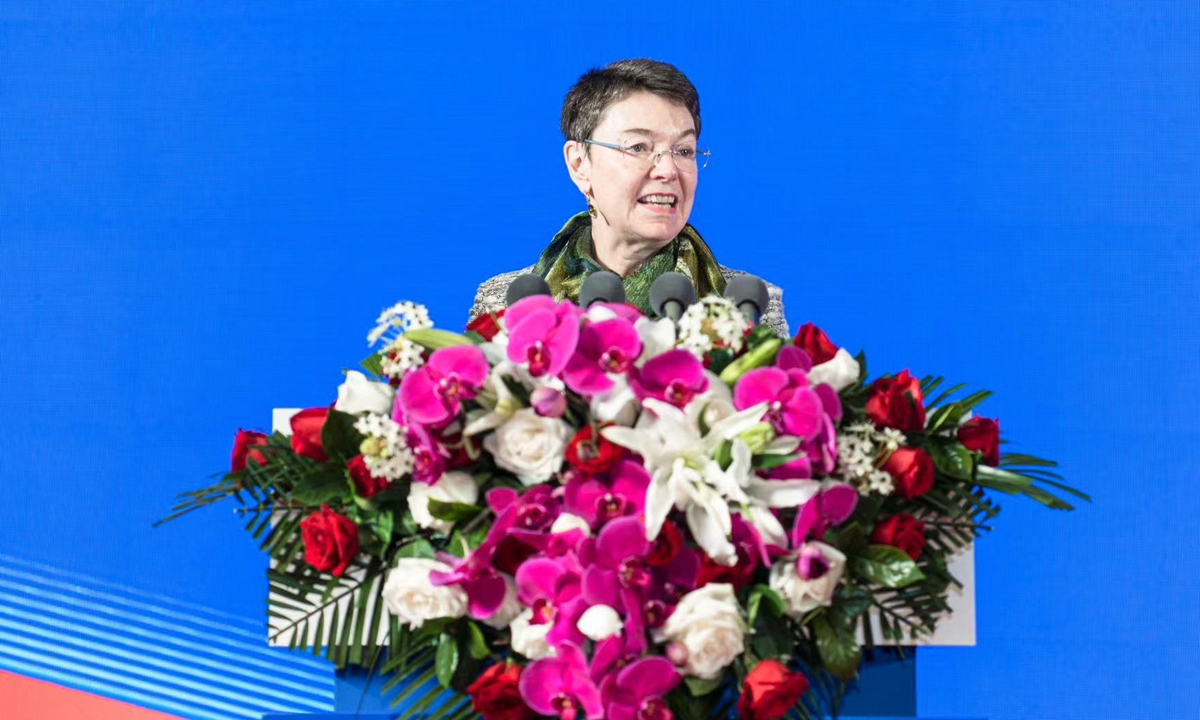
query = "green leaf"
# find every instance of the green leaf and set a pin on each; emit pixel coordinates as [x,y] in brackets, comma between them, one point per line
[851,539]
[770,462]
[383,526]
[452,511]
[758,594]
[837,645]
[434,339]
[419,548]
[446,661]
[338,436]
[887,566]
[477,646]
[700,687]
[952,459]
[373,364]
[320,486]
[853,601]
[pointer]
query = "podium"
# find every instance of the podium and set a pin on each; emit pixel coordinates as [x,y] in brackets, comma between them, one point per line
[886,688]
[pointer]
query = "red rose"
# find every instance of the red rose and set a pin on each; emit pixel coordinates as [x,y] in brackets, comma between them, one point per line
[243,449]
[486,324]
[365,483]
[496,695]
[980,434]
[912,471]
[897,403]
[813,340]
[901,531]
[738,575]
[306,433]
[330,541]
[591,453]
[770,691]
[666,547]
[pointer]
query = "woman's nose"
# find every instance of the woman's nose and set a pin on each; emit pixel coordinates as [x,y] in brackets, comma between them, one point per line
[664,166]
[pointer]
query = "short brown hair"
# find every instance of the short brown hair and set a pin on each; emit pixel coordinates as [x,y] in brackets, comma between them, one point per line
[600,88]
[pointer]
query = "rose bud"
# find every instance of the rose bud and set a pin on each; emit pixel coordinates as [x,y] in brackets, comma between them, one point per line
[548,402]
[330,541]
[243,449]
[911,470]
[897,402]
[901,531]
[770,691]
[982,435]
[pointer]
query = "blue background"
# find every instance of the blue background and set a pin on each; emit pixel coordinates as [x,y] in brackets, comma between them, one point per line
[204,205]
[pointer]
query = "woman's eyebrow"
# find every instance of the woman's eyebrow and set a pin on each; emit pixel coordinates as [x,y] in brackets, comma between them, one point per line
[651,133]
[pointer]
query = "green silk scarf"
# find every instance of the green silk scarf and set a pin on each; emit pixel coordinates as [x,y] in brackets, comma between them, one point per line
[571,257]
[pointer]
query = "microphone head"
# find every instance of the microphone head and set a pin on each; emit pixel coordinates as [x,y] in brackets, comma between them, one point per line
[670,288]
[748,290]
[601,286]
[524,286]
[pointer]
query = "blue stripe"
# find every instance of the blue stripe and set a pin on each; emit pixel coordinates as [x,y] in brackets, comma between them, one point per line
[148,650]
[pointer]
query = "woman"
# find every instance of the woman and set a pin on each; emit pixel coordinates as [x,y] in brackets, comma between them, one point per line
[631,133]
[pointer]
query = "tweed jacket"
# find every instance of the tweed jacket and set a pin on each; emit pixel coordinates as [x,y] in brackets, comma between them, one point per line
[491,294]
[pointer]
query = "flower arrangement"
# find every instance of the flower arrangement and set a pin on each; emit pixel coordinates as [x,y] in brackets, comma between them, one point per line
[589,513]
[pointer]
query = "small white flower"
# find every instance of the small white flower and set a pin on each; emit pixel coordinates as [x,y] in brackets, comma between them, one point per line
[714,321]
[399,319]
[452,487]
[400,358]
[385,448]
[412,598]
[529,446]
[529,639]
[708,623]
[357,395]
[600,622]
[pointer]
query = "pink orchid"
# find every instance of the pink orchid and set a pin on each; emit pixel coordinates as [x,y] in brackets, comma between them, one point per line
[429,457]
[818,453]
[542,334]
[561,686]
[792,407]
[431,394]
[832,506]
[637,692]
[674,377]
[485,588]
[616,560]
[605,348]
[621,491]
[551,588]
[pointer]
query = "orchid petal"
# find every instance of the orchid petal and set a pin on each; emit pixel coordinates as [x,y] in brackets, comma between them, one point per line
[647,678]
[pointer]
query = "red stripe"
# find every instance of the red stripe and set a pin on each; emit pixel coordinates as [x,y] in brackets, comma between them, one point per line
[23,698]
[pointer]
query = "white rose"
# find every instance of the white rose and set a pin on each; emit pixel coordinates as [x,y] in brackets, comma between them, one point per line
[358,395]
[509,609]
[528,639]
[708,623]
[840,372]
[452,487]
[600,622]
[412,598]
[802,595]
[529,446]
[566,522]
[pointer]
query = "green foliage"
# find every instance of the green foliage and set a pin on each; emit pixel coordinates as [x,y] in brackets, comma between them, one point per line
[887,566]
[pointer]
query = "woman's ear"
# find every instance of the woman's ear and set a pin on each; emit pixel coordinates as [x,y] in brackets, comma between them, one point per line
[578,165]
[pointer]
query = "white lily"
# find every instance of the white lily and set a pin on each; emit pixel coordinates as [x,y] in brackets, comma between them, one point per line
[499,400]
[682,470]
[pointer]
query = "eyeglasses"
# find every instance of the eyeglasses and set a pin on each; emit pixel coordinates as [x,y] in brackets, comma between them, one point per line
[687,159]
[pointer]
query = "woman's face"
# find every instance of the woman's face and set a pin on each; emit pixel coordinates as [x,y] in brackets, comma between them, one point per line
[639,201]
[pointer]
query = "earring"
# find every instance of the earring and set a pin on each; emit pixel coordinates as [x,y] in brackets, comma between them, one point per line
[591,208]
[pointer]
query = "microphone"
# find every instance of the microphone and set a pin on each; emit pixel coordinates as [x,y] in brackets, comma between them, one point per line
[750,296]
[524,286]
[601,286]
[671,294]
